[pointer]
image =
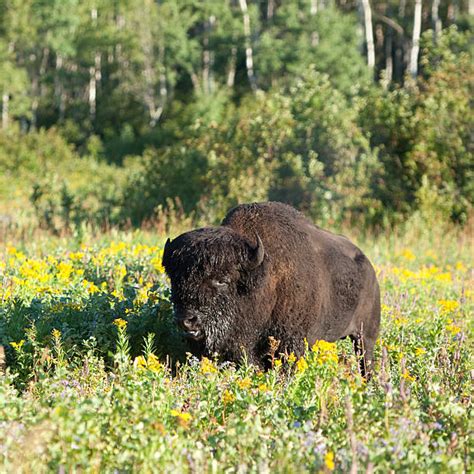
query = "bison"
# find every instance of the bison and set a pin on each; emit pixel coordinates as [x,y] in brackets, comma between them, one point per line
[265,272]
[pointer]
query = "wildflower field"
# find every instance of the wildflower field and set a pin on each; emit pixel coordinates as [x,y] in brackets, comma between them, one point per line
[96,376]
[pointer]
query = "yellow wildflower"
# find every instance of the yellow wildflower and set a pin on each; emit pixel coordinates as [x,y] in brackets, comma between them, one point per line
[400,321]
[406,375]
[182,417]
[263,387]
[120,323]
[142,294]
[228,397]
[7,293]
[420,351]
[448,306]
[277,363]
[90,287]
[325,351]
[76,256]
[244,383]
[116,248]
[121,271]
[407,254]
[157,262]
[445,277]
[17,345]
[140,362]
[98,260]
[329,460]
[301,365]
[56,333]
[151,363]
[207,367]
[452,328]
[118,294]
[65,270]
[292,358]
[35,270]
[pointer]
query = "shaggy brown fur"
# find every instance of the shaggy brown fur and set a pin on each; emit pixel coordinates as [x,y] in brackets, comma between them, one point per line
[268,271]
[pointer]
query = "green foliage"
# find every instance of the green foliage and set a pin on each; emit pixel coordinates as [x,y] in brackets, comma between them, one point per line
[13,84]
[295,41]
[43,176]
[423,130]
[133,108]
[308,151]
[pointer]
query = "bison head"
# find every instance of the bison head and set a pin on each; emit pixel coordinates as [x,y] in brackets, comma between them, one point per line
[214,275]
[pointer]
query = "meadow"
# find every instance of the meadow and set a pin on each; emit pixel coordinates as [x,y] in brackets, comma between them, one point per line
[97,378]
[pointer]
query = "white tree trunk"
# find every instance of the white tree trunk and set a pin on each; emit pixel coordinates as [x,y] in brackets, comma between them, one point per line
[401,8]
[248,45]
[94,79]
[94,75]
[207,57]
[436,19]
[232,66]
[155,110]
[5,103]
[92,93]
[369,32]
[415,48]
[313,11]
[388,56]
[58,88]
[270,9]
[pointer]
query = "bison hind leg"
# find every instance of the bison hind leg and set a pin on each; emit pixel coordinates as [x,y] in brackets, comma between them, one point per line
[364,351]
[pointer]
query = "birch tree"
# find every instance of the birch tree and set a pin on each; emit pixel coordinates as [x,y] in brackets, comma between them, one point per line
[313,12]
[415,49]
[436,19]
[248,45]
[369,32]
[94,73]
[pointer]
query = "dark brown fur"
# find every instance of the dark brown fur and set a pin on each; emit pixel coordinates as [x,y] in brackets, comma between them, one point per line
[311,285]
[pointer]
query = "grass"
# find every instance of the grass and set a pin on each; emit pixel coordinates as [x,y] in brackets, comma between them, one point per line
[98,379]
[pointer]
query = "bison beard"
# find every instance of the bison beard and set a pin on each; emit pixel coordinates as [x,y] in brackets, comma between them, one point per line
[267,271]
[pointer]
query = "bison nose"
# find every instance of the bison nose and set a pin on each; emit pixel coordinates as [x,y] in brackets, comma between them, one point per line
[188,321]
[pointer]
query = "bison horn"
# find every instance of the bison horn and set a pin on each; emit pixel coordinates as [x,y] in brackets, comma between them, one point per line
[256,254]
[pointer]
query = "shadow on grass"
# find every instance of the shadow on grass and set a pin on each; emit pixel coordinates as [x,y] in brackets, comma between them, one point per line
[79,320]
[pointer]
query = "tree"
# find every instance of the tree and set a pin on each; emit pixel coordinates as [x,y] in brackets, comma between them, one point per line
[13,87]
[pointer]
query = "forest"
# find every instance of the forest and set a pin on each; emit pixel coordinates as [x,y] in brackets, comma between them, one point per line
[127,111]
[125,122]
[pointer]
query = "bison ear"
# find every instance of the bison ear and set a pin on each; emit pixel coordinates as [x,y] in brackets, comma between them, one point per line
[256,254]
[166,253]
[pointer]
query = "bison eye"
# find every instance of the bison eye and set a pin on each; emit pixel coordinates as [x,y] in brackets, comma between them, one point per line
[220,284]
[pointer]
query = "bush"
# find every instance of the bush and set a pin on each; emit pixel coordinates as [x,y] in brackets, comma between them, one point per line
[43,176]
[423,131]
